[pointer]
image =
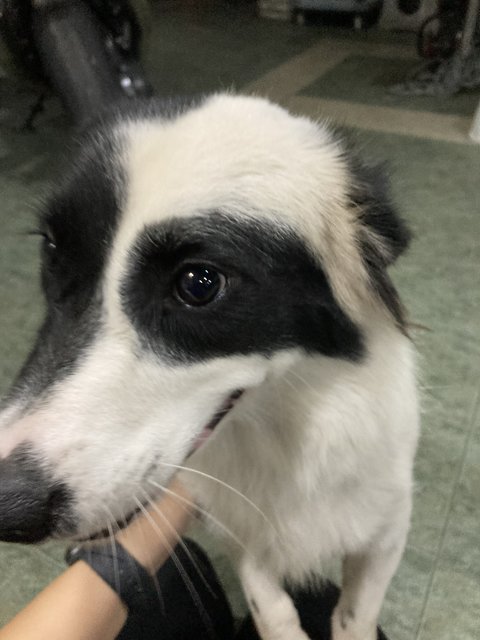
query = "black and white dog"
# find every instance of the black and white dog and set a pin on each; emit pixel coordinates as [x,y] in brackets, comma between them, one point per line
[223,263]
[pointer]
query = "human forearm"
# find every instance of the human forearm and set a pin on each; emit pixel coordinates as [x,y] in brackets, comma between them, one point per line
[151,537]
[79,604]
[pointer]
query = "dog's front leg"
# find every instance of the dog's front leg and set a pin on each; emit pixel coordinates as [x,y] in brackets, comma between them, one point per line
[272,609]
[366,577]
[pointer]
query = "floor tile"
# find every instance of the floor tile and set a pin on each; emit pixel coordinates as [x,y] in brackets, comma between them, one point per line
[368,79]
[436,470]
[466,503]
[403,605]
[453,607]
[23,573]
[227,574]
[54,552]
[221,49]
[19,284]
[446,407]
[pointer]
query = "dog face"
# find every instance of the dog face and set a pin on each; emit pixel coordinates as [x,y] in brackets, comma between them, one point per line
[188,256]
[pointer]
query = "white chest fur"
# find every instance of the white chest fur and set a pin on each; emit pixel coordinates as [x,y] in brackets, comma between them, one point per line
[322,453]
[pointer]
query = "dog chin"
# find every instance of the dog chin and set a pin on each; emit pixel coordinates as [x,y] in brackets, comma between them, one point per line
[104,534]
[224,409]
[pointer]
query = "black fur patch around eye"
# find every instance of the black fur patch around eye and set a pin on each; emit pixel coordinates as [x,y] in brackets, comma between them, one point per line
[276,295]
[80,219]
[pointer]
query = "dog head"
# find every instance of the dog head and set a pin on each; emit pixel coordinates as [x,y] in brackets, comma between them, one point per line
[189,254]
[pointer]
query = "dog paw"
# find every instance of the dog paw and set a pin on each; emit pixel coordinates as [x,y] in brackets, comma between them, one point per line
[280,630]
[345,627]
[288,634]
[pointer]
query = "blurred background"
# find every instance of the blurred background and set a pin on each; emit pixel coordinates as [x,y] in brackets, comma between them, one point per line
[403,76]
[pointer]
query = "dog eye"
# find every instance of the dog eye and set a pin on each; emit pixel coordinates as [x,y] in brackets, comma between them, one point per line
[199,285]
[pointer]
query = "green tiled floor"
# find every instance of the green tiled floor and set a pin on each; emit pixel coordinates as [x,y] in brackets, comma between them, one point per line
[368,79]
[436,592]
[453,609]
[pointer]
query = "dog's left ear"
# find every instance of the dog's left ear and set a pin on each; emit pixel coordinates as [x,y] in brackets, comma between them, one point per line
[382,234]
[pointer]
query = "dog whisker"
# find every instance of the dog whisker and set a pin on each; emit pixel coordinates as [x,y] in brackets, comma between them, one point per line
[111,538]
[122,523]
[116,570]
[194,507]
[302,380]
[184,575]
[227,486]
[180,541]
[290,384]
[154,577]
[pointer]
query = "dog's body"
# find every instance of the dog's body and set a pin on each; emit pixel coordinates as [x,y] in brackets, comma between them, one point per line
[194,253]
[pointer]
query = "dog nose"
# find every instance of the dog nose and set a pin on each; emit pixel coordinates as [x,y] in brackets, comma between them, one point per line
[29,501]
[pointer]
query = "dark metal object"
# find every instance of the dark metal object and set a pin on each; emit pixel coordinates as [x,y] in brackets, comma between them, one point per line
[16,30]
[88,50]
[69,43]
[362,11]
[457,67]
[440,34]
